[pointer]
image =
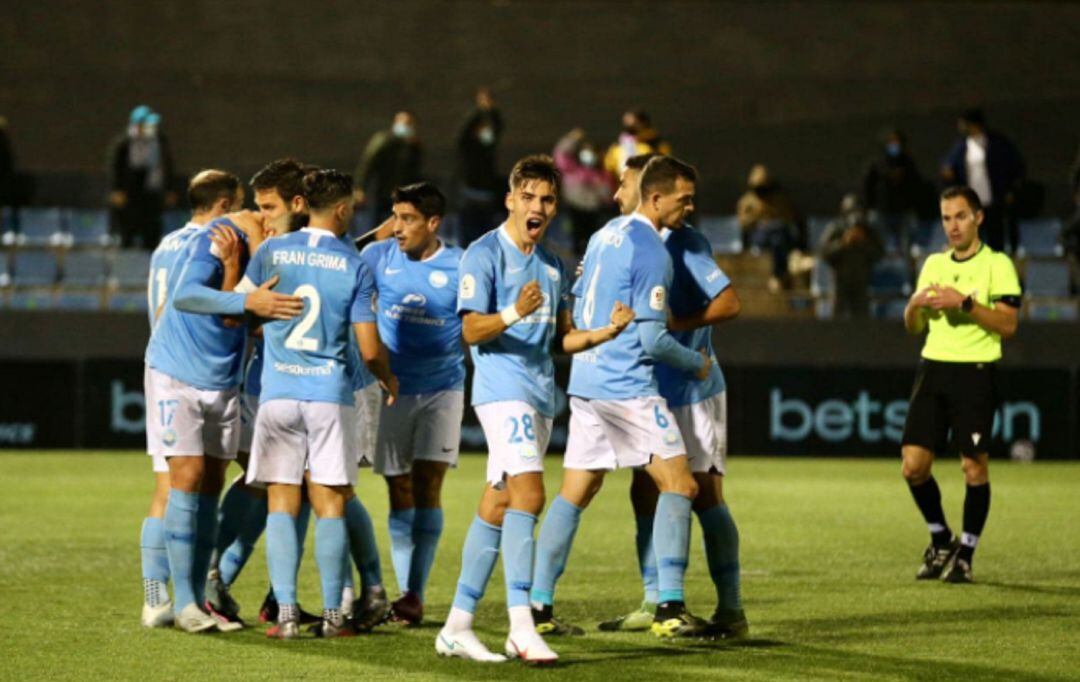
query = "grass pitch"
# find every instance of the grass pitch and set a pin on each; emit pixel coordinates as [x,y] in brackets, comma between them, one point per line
[829,551]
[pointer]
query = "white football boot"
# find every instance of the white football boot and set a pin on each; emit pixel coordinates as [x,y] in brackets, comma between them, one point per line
[464,644]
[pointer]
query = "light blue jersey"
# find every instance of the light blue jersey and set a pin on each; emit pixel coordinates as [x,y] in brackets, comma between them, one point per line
[198,349]
[625,261]
[698,280]
[515,365]
[361,375]
[418,318]
[253,369]
[307,357]
[163,263]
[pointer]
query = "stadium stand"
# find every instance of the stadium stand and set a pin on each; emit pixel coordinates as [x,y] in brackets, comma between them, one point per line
[1041,237]
[84,269]
[40,227]
[34,268]
[129,270]
[87,227]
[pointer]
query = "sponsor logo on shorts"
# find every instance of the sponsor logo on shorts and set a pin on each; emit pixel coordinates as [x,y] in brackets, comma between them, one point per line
[438,279]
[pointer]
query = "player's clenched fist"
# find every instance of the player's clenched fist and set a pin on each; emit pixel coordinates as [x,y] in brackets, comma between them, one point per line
[621,316]
[272,305]
[529,299]
[706,367]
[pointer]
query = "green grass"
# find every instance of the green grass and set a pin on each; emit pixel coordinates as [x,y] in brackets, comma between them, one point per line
[829,550]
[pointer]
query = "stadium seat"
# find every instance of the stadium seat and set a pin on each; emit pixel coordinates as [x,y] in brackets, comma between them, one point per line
[5,271]
[929,237]
[31,299]
[890,309]
[723,233]
[88,227]
[34,268]
[130,269]
[173,219]
[815,229]
[78,300]
[1053,310]
[128,301]
[40,227]
[7,219]
[84,269]
[1041,237]
[1046,278]
[892,276]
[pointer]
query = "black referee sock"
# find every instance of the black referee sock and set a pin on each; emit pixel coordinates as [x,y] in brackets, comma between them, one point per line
[976,509]
[928,498]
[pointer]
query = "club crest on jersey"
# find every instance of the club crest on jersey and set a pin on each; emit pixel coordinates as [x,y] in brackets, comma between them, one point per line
[468,287]
[553,273]
[657,298]
[438,279]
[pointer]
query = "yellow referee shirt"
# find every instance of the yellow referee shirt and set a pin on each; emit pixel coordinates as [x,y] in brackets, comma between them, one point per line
[953,335]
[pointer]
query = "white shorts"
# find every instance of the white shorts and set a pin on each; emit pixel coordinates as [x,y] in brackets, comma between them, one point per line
[292,436]
[369,400]
[517,438]
[160,464]
[184,420]
[249,407]
[610,434]
[425,426]
[704,428]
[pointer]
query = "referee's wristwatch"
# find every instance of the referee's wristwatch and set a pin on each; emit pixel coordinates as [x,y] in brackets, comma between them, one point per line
[968,303]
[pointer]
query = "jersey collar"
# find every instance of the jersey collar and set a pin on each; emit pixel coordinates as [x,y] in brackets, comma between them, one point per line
[972,256]
[319,230]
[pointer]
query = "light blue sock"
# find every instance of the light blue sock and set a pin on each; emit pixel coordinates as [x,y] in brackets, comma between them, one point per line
[553,548]
[517,553]
[180,544]
[232,515]
[205,539]
[478,557]
[401,544]
[302,522]
[155,561]
[426,531]
[236,556]
[722,554]
[331,554]
[365,552]
[647,556]
[282,555]
[671,536]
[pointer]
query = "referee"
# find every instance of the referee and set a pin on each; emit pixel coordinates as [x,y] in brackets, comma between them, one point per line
[968,297]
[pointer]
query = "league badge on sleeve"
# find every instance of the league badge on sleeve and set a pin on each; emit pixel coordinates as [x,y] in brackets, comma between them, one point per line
[657,298]
[468,287]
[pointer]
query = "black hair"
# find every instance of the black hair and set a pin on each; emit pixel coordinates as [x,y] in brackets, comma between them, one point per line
[639,161]
[661,173]
[974,203]
[325,187]
[207,186]
[424,197]
[535,167]
[283,175]
[974,116]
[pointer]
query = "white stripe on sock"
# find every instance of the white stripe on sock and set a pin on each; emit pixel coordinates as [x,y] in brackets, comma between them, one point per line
[969,540]
[936,527]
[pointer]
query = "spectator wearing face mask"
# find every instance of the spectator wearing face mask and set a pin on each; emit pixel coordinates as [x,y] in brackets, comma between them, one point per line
[482,186]
[637,137]
[587,187]
[391,159]
[893,188]
[851,249]
[140,174]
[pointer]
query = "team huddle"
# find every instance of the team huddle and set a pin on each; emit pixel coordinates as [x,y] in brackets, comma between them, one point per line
[279,343]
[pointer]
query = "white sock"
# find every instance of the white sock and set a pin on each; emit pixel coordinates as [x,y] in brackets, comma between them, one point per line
[155,592]
[459,620]
[969,540]
[521,619]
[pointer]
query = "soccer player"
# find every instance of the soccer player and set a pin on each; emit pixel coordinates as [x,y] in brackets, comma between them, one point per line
[967,300]
[194,369]
[512,298]
[416,275]
[304,428]
[617,416]
[211,194]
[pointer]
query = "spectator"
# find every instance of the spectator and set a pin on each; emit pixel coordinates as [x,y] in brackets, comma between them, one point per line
[140,173]
[851,249]
[637,137]
[391,159]
[987,162]
[482,187]
[586,187]
[893,188]
[770,222]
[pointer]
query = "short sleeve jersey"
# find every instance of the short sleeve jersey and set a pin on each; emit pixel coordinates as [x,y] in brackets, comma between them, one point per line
[515,365]
[625,261]
[954,336]
[163,263]
[199,349]
[307,357]
[697,281]
[418,320]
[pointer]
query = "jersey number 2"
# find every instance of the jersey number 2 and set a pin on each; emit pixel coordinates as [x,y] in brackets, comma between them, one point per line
[296,339]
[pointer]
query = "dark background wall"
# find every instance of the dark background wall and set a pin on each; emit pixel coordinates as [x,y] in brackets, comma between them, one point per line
[803,86]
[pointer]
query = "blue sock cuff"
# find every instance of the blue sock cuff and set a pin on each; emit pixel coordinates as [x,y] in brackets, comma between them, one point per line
[428,519]
[484,524]
[517,512]
[672,595]
[183,501]
[564,506]
[152,535]
[402,516]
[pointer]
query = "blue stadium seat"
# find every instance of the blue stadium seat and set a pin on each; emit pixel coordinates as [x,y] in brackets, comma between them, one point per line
[173,219]
[78,300]
[31,299]
[723,233]
[84,268]
[1046,278]
[130,269]
[34,268]
[929,237]
[128,301]
[41,226]
[815,229]
[1053,310]
[891,276]
[7,219]
[1041,237]
[88,227]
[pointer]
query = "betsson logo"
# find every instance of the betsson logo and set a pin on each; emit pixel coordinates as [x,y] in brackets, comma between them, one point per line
[869,420]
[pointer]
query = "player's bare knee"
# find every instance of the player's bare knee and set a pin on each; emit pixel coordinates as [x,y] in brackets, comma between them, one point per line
[427,481]
[706,493]
[976,470]
[186,473]
[400,489]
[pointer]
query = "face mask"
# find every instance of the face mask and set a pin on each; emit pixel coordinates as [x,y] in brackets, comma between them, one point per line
[892,149]
[587,157]
[486,135]
[402,130]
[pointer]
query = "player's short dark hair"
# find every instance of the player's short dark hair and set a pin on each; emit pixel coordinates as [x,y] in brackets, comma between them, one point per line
[639,161]
[661,173]
[535,167]
[208,186]
[974,115]
[283,175]
[974,203]
[325,187]
[424,197]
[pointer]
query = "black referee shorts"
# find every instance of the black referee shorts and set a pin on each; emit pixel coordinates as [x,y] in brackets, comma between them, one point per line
[956,397]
